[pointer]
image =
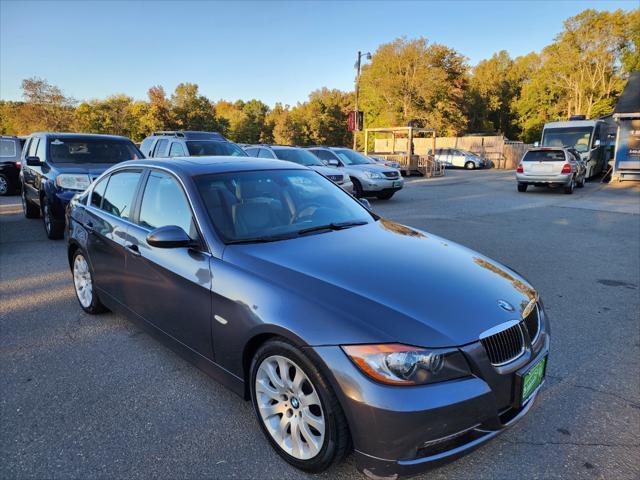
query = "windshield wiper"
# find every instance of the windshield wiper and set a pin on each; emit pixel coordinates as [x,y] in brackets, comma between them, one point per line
[263,239]
[331,226]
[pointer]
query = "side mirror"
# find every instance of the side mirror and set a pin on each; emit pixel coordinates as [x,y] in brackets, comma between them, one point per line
[170,236]
[365,203]
[597,142]
[34,161]
[536,144]
[333,163]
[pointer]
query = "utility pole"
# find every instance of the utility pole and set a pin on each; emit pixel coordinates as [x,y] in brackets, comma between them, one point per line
[357,67]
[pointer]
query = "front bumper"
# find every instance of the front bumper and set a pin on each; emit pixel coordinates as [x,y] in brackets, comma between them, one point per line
[559,179]
[402,431]
[381,184]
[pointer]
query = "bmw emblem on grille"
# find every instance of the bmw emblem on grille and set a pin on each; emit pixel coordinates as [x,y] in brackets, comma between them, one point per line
[506,306]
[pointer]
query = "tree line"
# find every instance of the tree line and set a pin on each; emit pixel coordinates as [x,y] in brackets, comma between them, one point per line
[408,80]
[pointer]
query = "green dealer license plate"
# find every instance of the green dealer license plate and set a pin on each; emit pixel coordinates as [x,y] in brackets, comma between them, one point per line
[396,184]
[532,379]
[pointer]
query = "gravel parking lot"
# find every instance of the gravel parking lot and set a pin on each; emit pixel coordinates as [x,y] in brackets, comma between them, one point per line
[87,397]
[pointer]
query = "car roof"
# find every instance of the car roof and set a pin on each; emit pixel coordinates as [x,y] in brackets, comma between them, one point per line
[572,123]
[80,135]
[189,135]
[192,166]
[542,149]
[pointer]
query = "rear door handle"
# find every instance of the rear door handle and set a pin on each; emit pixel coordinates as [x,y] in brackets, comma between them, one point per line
[134,250]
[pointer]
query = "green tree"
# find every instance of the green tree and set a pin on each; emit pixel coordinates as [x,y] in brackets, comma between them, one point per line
[580,72]
[192,111]
[46,108]
[410,80]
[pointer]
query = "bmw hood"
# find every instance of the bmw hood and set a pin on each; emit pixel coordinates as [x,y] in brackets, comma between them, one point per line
[392,283]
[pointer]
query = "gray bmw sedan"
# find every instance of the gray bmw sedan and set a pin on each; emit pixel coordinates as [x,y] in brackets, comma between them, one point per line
[345,330]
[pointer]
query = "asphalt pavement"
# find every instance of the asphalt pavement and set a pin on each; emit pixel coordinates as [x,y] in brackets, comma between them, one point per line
[95,397]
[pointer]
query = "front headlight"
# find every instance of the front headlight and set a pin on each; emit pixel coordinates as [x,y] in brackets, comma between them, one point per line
[369,174]
[399,364]
[73,181]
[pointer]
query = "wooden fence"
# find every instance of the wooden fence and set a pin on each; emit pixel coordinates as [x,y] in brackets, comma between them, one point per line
[496,149]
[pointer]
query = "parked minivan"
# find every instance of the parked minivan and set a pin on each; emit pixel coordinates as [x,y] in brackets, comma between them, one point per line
[56,166]
[10,151]
[186,143]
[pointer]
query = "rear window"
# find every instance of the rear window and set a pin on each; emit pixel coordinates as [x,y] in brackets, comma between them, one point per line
[91,150]
[544,156]
[8,147]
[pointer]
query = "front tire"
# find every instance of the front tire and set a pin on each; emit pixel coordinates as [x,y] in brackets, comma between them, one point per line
[53,228]
[297,408]
[358,192]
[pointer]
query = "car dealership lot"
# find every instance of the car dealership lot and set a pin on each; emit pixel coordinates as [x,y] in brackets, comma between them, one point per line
[85,396]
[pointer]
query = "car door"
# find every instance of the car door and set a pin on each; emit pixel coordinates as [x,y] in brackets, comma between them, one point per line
[169,287]
[457,158]
[30,173]
[107,219]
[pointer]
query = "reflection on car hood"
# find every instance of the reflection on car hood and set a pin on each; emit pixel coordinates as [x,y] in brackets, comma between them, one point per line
[392,283]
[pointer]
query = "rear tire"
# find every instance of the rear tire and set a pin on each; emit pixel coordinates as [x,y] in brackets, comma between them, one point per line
[470,166]
[5,186]
[385,195]
[522,187]
[283,409]
[84,285]
[53,228]
[29,209]
[568,190]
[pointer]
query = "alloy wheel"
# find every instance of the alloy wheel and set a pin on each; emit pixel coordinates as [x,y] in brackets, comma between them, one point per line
[82,281]
[4,185]
[290,407]
[46,214]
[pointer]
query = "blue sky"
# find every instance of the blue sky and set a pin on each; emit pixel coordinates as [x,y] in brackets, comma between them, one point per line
[273,51]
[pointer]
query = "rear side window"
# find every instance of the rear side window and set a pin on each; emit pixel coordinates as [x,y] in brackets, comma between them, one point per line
[8,148]
[146,146]
[544,156]
[161,148]
[98,192]
[120,192]
[164,203]
[251,151]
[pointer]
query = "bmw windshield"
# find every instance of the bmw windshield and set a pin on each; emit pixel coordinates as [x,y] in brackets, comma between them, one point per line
[271,205]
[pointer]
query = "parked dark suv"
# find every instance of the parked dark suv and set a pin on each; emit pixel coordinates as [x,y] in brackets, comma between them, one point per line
[189,144]
[56,166]
[10,150]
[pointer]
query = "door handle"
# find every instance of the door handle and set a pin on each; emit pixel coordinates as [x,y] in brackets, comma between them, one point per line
[133,249]
[89,227]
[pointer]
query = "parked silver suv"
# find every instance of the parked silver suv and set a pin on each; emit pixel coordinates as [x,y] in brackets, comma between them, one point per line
[301,157]
[186,143]
[551,167]
[370,179]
